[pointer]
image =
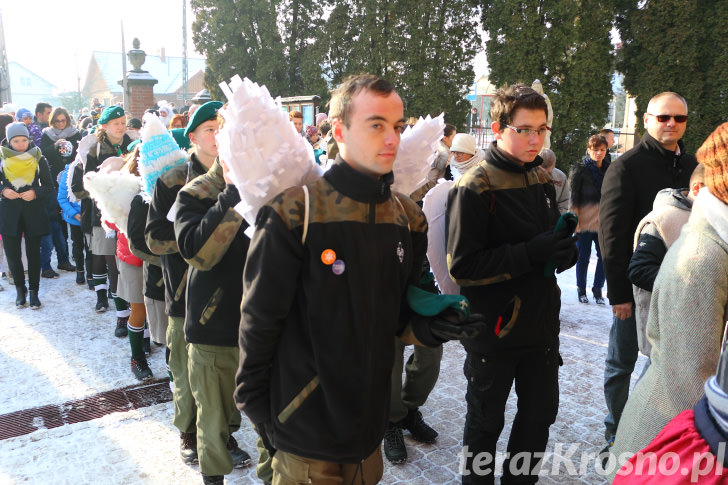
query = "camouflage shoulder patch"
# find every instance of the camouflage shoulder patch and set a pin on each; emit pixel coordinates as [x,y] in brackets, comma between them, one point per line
[415,217]
[175,176]
[207,186]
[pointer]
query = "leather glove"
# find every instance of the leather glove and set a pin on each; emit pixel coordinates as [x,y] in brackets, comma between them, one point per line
[435,330]
[566,253]
[541,248]
[445,326]
[265,431]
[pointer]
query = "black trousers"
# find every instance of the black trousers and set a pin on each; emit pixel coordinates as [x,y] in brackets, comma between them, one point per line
[489,384]
[79,246]
[15,259]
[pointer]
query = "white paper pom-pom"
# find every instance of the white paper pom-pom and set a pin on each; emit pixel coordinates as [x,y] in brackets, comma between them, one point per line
[417,151]
[260,147]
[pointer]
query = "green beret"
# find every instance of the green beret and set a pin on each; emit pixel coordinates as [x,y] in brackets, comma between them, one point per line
[111,113]
[207,111]
[179,136]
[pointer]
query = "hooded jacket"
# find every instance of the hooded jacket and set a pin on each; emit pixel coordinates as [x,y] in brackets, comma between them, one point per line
[656,232]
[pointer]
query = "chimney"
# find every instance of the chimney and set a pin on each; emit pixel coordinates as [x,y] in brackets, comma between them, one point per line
[161,55]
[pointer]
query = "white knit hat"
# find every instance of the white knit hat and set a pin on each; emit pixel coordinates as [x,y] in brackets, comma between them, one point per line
[463,143]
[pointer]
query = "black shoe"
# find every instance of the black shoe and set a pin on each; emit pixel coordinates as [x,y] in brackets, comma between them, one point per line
[20,298]
[140,368]
[49,273]
[582,295]
[80,277]
[213,479]
[34,301]
[417,427]
[121,329]
[102,302]
[146,344]
[598,298]
[240,457]
[188,448]
[67,266]
[394,448]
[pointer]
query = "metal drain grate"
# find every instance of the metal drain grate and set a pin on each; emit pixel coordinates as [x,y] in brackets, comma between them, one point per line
[118,400]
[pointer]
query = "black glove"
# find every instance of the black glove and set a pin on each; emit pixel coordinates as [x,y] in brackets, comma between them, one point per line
[564,252]
[541,248]
[446,327]
[265,431]
[433,331]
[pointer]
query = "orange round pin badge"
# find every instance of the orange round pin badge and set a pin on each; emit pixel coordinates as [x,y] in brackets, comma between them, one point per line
[328,256]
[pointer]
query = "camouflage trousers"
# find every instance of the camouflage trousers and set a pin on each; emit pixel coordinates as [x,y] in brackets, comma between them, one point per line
[421,373]
[212,381]
[289,469]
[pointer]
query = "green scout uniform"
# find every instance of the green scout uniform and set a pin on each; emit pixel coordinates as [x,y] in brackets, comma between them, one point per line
[210,238]
[159,234]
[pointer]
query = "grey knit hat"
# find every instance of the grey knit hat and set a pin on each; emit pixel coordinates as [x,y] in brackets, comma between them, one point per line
[16,129]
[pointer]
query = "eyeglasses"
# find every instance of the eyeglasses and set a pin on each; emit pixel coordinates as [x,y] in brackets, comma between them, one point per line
[528,132]
[666,118]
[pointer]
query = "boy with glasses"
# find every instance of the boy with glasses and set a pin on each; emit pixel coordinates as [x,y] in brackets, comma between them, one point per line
[630,185]
[500,221]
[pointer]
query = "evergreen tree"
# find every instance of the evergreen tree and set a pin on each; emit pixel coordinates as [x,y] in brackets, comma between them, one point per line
[567,46]
[681,46]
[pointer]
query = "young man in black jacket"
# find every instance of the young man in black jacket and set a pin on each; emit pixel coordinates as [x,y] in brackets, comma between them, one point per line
[630,185]
[210,237]
[500,224]
[325,287]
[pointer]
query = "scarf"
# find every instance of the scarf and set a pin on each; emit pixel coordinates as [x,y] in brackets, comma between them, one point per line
[55,134]
[459,168]
[20,167]
[596,173]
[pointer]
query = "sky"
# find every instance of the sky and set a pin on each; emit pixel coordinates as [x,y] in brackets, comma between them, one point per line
[55,39]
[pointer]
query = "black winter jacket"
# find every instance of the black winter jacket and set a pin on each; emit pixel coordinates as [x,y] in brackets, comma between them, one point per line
[56,161]
[629,189]
[319,317]
[18,216]
[152,267]
[159,232]
[492,211]
[210,237]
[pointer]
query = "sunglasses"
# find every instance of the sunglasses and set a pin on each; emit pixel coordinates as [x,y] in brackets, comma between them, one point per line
[666,118]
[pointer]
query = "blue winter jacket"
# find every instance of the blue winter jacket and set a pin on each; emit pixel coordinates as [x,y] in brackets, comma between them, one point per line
[69,209]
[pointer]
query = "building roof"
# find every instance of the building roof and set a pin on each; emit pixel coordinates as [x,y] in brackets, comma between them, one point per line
[168,72]
[27,88]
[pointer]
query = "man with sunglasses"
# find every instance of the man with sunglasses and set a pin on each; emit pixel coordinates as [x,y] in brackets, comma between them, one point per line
[659,161]
[500,224]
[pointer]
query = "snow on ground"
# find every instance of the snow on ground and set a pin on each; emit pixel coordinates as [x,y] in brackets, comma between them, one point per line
[66,351]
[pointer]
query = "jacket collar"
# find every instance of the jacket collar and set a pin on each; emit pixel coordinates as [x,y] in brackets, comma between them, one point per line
[196,165]
[652,144]
[495,156]
[357,185]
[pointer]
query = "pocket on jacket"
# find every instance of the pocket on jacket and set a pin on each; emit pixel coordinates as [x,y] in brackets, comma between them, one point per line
[297,401]
[211,306]
[181,288]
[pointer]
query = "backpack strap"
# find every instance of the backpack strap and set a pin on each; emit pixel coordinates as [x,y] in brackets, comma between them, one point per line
[409,228]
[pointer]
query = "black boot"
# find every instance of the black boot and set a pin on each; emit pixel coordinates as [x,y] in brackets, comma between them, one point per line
[415,424]
[582,295]
[102,302]
[80,277]
[20,298]
[140,368]
[34,301]
[188,448]
[121,329]
[598,298]
[394,448]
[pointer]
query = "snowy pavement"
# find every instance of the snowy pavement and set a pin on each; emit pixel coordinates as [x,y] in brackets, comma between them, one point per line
[65,352]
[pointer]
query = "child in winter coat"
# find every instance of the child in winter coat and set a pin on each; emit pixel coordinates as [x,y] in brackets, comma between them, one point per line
[71,213]
[25,180]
